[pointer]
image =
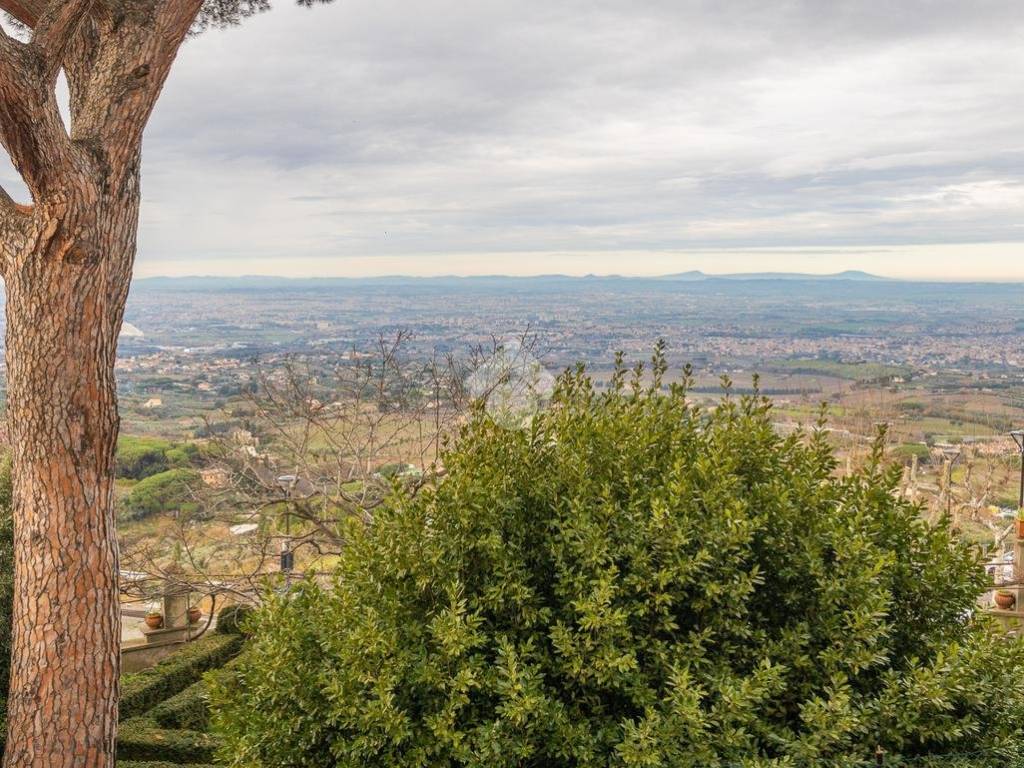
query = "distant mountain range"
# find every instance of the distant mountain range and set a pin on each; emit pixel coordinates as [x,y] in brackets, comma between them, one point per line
[269,282]
[850,274]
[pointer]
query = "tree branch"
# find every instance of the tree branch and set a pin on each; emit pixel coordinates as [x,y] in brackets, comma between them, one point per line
[80,48]
[25,11]
[176,18]
[116,64]
[14,226]
[54,32]
[121,95]
[30,125]
[6,201]
[78,65]
[11,54]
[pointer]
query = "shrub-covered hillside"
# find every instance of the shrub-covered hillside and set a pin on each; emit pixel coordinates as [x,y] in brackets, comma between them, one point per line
[631,581]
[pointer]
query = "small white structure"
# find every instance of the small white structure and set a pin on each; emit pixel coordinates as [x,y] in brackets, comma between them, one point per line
[129,331]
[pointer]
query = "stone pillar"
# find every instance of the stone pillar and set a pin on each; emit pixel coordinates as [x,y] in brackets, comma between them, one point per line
[175,608]
[1018,556]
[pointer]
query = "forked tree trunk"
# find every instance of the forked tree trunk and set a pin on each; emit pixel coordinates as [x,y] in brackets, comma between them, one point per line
[65,303]
[67,262]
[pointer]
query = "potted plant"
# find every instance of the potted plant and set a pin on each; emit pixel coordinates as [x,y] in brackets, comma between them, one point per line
[1005,599]
[194,615]
[154,619]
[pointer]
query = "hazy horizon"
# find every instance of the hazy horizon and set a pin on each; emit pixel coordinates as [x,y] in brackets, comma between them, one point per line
[997,262]
[763,274]
[368,138]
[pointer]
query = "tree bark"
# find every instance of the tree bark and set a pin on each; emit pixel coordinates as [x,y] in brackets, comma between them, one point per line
[67,262]
[65,303]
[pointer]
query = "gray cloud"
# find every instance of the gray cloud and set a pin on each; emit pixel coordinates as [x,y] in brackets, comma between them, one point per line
[401,129]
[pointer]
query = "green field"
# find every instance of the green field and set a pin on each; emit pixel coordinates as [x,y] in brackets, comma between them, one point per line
[840,370]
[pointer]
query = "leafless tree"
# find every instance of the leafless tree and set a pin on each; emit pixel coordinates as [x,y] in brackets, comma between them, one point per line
[314,444]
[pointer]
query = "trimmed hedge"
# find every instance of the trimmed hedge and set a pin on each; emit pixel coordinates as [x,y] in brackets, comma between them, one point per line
[231,619]
[143,691]
[189,709]
[164,709]
[142,739]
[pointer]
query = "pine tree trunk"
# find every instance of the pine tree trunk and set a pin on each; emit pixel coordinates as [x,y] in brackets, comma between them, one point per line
[66,262]
[65,303]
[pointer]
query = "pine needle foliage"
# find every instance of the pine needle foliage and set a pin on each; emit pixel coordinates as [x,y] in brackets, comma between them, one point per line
[631,581]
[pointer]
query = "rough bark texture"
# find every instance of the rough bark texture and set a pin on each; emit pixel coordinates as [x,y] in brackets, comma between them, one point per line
[66,262]
[64,309]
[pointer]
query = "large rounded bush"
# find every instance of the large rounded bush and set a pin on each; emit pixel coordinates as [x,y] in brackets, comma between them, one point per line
[175,490]
[631,581]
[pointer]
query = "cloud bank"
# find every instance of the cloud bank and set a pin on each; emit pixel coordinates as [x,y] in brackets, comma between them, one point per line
[439,136]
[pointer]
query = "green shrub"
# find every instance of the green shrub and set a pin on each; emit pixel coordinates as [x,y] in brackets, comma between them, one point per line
[142,457]
[139,457]
[392,470]
[188,709]
[911,406]
[173,490]
[143,691]
[141,739]
[231,619]
[630,581]
[182,455]
[907,451]
[159,764]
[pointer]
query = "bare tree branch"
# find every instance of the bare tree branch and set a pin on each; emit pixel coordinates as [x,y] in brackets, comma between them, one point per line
[349,431]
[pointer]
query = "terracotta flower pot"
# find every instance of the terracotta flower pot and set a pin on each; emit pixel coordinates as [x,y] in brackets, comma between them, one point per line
[154,621]
[1005,600]
[1020,529]
[194,615]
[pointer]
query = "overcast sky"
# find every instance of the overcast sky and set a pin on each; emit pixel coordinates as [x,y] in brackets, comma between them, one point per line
[428,137]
